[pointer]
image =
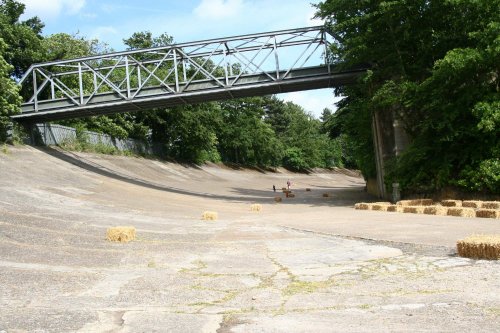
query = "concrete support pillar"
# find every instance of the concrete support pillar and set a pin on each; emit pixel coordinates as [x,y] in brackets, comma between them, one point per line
[379,155]
[389,140]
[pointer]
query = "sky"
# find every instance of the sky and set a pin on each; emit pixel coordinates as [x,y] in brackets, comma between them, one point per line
[111,21]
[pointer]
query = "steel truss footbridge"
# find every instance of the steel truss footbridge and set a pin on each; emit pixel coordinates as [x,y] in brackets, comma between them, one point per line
[195,72]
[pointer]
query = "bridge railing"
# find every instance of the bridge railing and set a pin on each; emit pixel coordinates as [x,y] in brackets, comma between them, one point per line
[175,69]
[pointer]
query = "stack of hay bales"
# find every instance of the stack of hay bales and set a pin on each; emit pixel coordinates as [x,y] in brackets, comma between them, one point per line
[120,234]
[209,216]
[485,209]
[256,207]
[480,247]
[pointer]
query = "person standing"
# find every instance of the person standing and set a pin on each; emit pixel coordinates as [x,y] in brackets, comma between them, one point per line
[274,188]
[288,183]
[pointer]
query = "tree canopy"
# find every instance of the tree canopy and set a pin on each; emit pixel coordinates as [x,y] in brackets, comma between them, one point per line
[436,65]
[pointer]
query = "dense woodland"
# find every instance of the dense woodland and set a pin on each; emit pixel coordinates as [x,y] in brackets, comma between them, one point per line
[435,63]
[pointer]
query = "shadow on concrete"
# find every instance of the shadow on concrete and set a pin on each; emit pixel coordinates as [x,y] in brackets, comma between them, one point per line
[96,168]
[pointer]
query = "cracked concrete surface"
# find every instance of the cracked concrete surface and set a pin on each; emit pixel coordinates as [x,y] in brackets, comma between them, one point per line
[310,264]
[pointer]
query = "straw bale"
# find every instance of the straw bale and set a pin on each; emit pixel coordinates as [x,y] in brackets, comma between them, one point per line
[480,247]
[380,206]
[491,205]
[436,210]
[451,203]
[209,216]
[308,190]
[472,204]
[462,212]
[277,199]
[256,207]
[488,213]
[413,209]
[120,234]
[395,208]
[415,202]
[326,195]
[362,206]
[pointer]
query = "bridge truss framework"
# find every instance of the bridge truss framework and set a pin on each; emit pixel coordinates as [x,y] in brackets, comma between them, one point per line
[215,69]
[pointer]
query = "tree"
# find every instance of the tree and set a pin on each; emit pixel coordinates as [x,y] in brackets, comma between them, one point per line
[9,94]
[434,65]
[23,38]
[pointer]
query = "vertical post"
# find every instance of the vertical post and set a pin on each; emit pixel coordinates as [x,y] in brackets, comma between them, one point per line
[127,77]
[276,58]
[327,63]
[184,69]
[95,82]
[139,77]
[35,90]
[225,68]
[80,82]
[176,72]
[379,155]
[52,89]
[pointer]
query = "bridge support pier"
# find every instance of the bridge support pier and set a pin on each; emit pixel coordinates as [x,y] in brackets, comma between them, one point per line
[389,140]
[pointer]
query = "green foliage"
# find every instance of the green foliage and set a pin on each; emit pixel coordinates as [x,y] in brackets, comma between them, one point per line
[294,159]
[484,177]
[23,38]
[435,65]
[9,94]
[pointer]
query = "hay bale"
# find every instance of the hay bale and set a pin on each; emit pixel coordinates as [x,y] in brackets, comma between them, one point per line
[491,205]
[472,204]
[480,247]
[308,190]
[413,209]
[451,203]
[277,199]
[209,216]
[488,213]
[284,189]
[326,195]
[362,206]
[462,212]
[380,206]
[256,207]
[394,208]
[290,195]
[436,210]
[415,202]
[120,234]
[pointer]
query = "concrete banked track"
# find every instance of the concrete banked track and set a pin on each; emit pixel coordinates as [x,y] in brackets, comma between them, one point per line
[309,264]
